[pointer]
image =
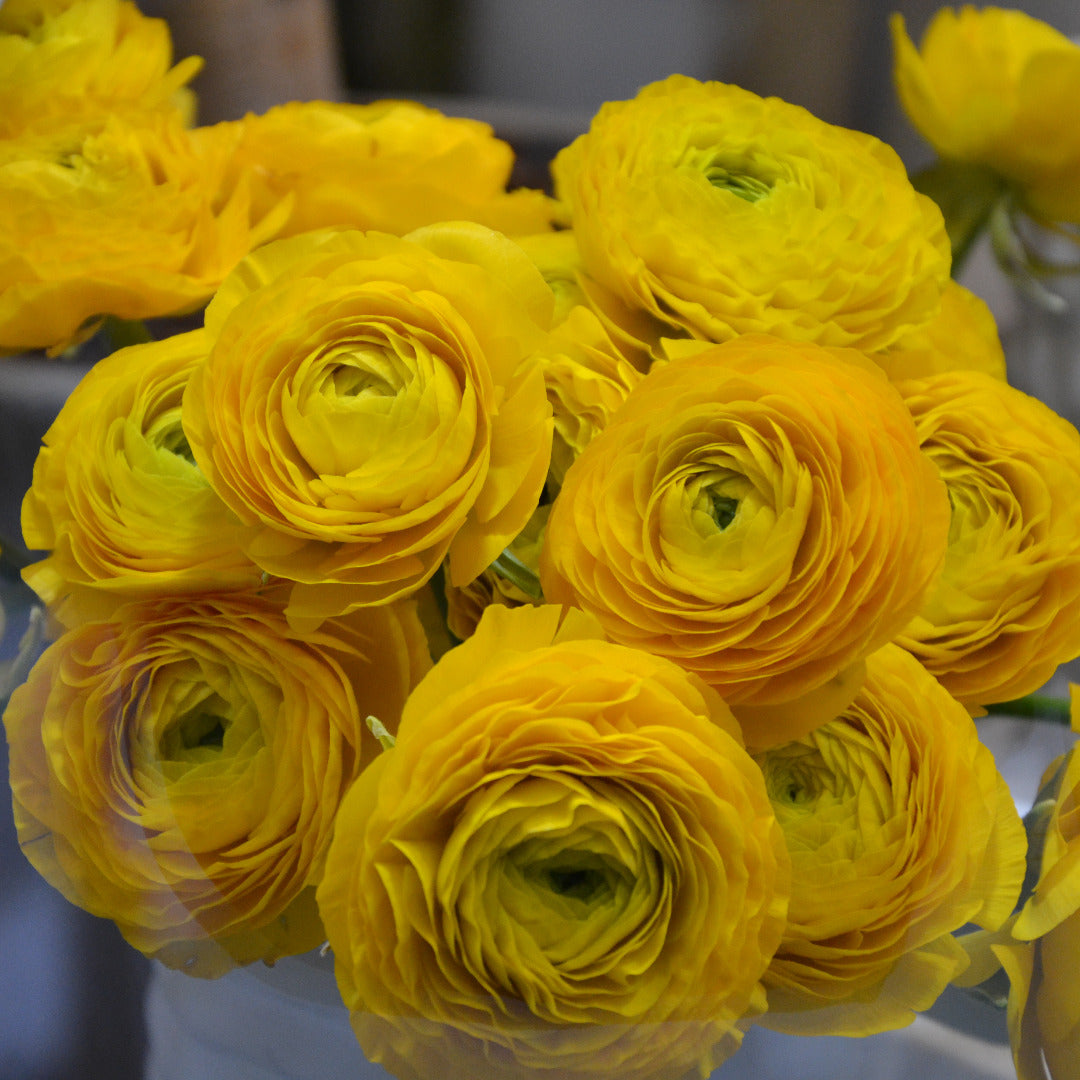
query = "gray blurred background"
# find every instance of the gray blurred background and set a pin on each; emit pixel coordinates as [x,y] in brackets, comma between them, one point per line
[536,69]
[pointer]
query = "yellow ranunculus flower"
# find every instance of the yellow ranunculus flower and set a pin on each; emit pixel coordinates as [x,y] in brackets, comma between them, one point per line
[1002,617]
[66,59]
[996,87]
[118,502]
[963,337]
[129,219]
[900,831]
[1044,998]
[587,379]
[177,768]
[556,257]
[391,165]
[717,213]
[367,404]
[566,864]
[759,513]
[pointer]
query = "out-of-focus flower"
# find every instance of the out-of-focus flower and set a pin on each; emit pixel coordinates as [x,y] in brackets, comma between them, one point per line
[61,60]
[900,831]
[116,499]
[714,212]
[177,768]
[759,513]
[998,88]
[567,862]
[587,380]
[963,337]
[391,165]
[368,406]
[1044,1002]
[133,220]
[556,257]
[1002,617]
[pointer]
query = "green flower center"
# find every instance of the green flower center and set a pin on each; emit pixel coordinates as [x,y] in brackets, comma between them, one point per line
[747,187]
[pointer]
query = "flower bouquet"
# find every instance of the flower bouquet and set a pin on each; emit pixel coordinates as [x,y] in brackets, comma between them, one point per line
[569,611]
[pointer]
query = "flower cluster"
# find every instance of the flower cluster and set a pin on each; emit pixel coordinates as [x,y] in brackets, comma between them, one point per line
[579,629]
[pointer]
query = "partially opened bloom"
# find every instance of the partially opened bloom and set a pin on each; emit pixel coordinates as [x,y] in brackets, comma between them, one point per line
[136,219]
[1040,958]
[714,212]
[368,406]
[177,768]
[998,88]
[759,513]
[390,165]
[117,501]
[1002,617]
[63,59]
[567,863]
[900,831]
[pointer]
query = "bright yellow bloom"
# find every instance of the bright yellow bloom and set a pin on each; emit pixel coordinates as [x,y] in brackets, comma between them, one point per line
[177,768]
[963,337]
[759,513]
[366,405]
[391,165]
[567,863]
[62,60]
[116,499]
[556,257]
[1003,615]
[716,213]
[996,87]
[900,831]
[134,220]
[1044,998]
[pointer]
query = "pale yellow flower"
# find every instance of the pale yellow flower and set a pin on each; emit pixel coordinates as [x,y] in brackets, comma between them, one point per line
[368,406]
[759,513]
[900,831]
[996,87]
[567,863]
[132,219]
[61,60]
[1002,617]
[177,768]
[710,212]
[390,165]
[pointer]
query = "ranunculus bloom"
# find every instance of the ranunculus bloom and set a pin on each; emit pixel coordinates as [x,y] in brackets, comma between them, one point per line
[587,380]
[963,337]
[716,213]
[64,59]
[900,831]
[116,499]
[390,165]
[759,513]
[566,864]
[367,404]
[177,768]
[1002,617]
[1044,997]
[998,88]
[135,220]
